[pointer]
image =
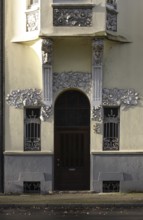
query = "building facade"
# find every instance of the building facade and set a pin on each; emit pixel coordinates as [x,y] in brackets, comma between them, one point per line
[1,93]
[73,85]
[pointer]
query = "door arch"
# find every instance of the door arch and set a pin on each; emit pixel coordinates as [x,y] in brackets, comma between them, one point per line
[72,141]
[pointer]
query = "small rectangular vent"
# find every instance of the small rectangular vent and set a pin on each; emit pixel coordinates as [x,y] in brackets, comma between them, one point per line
[111,186]
[31,187]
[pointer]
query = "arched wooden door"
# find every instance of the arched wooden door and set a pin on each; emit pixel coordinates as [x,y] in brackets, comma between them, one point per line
[72,142]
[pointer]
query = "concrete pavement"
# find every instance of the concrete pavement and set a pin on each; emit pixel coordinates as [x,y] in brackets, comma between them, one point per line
[74,199]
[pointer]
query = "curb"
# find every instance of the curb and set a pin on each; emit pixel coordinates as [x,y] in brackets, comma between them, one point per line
[72,206]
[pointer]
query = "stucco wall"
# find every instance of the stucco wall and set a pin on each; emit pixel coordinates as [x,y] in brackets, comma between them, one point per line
[122,68]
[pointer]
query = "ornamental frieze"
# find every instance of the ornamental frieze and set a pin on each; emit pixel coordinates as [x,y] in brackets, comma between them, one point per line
[26,97]
[120,97]
[78,80]
[81,17]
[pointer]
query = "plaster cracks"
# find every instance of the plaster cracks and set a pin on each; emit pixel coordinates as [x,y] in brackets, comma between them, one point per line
[81,17]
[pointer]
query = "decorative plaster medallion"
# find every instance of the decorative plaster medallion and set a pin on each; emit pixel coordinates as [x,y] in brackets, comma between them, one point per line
[32,20]
[65,80]
[47,51]
[81,17]
[97,47]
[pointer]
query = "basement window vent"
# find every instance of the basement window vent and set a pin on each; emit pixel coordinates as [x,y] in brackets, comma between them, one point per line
[111,186]
[31,187]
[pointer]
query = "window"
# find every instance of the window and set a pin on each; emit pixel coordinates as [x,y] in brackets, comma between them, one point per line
[32,137]
[111,186]
[111,128]
[31,187]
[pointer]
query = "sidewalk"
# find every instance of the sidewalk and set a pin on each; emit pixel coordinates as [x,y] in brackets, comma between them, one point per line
[73,199]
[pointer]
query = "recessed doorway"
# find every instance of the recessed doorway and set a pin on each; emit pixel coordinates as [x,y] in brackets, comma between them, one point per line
[72,142]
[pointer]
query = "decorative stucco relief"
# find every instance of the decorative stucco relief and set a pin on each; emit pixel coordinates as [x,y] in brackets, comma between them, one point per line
[29,98]
[112,4]
[97,113]
[97,48]
[97,128]
[46,112]
[81,17]
[65,80]
[32,20]
[111,15]
[125,98]
[47,51]
[111,20]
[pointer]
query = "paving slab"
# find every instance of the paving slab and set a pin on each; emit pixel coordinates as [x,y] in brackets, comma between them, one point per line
[74,199]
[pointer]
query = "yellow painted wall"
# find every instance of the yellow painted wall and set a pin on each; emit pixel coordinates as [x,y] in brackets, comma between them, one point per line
[122,67]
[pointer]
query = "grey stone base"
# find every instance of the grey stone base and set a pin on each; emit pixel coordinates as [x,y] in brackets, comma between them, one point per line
[20,168]
[126,168]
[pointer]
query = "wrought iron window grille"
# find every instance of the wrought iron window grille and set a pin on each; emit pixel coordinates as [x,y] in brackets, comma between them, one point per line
[111,186]
[111,129]
[32,137]
[31,187]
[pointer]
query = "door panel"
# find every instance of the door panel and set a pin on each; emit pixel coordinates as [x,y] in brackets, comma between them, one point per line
[72,150]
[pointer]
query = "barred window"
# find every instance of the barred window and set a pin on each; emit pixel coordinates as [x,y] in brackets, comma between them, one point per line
[32,137]
[111,128]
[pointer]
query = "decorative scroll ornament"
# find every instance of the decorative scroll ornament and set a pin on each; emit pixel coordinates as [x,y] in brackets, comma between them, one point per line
[72,80]
[97,114]
[29,97]
[123,97]
[47,51]
[98,47]
[46,112]
[32,20]
[111,144]
[81,17]
[98,128]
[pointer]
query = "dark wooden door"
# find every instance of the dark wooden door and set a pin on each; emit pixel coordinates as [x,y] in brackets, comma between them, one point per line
[72,145]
